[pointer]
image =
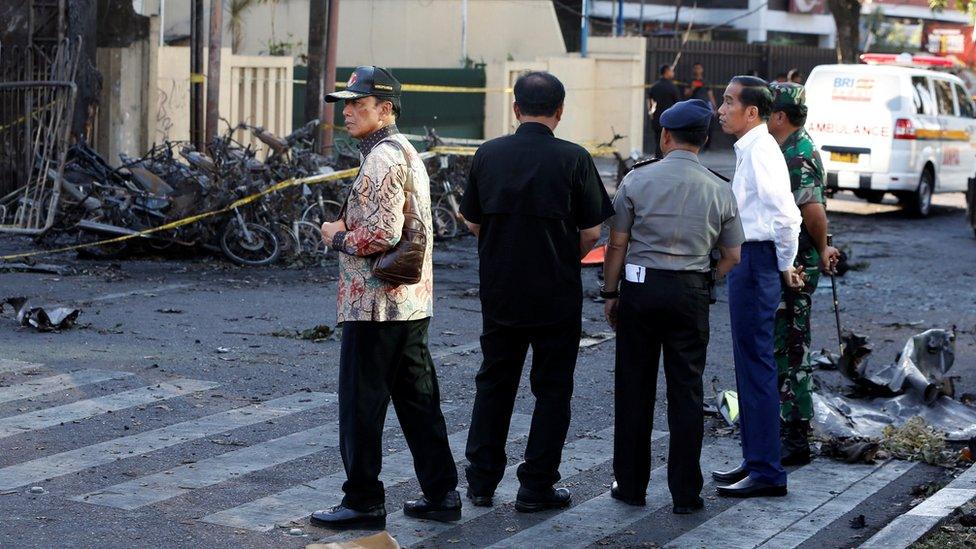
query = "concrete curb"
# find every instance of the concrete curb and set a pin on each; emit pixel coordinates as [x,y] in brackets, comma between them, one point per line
[923,518]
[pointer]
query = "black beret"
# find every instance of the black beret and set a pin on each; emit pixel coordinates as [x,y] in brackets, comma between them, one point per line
[693,114]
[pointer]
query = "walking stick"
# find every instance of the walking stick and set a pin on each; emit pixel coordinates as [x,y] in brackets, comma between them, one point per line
[833,288]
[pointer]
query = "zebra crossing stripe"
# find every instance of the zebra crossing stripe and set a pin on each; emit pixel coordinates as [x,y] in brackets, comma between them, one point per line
[152,489]
[300,501]
[142,443]
[753,522]
[10,365]
[906,529]
[587,523]
[49,417]
[144,491]
[834,509]
[53,384]
[578,456]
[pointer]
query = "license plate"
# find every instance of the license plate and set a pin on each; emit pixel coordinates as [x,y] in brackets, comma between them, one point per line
[850,158]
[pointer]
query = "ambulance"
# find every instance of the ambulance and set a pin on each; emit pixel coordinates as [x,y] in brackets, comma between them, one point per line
[892,126]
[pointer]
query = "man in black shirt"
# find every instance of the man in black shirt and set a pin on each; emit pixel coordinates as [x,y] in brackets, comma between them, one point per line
[660,97]
[536,203]
[699,88]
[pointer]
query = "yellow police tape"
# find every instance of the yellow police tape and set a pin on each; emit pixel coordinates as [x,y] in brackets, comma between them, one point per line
[311,180]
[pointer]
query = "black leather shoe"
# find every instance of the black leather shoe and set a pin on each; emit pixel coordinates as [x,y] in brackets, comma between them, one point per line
[480,501]
[617,494]
[446,509]
[530,501]
[795,443]
[732,476]
[688,509]
[751,488]
[341,517]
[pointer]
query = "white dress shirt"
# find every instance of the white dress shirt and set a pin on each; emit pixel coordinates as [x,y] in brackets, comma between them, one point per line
[762,189]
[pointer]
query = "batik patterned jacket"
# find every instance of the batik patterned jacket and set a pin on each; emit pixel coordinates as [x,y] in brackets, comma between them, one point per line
[374,221]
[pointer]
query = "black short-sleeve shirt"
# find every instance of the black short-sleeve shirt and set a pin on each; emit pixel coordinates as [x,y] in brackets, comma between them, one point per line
[665,93]
[532,194]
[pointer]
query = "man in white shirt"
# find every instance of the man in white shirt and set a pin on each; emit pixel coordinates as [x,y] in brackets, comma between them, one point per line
[771,222]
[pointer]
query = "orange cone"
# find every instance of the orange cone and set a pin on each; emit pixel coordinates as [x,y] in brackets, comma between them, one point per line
[595,257]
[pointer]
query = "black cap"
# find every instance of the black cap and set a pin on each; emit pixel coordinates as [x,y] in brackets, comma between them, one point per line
[693,114]
[365,81]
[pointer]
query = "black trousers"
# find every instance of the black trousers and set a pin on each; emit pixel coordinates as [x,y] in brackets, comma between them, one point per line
[554,351]
[669,312]
[379,361]
[656,127]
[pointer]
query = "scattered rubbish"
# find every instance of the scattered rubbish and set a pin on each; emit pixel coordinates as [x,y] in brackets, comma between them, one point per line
[170,311]
[316,334]
[296,532]
[858,522]
[728,406]
[851,451]
[590,340]
[222,350]
[968,520]
[912,324]
[37,490]
[916,441]
[43,268]
[228,442]
[915,385]
[382,540]
[823,359]
[60,318]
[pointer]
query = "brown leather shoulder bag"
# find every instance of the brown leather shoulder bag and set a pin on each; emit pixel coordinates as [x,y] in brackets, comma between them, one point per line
[403,264]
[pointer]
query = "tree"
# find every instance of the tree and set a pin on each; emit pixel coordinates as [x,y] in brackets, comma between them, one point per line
[847,18]
[962,5]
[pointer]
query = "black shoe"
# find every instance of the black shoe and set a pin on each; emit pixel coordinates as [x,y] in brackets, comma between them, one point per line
[688,509]
[795,443]
[751,488]
[795,456]
[341,517]
[480,501]
[618,494]
[530,501]
[731,477]
[446,509]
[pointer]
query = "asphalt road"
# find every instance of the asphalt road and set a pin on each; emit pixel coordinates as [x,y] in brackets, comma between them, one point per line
[171,416]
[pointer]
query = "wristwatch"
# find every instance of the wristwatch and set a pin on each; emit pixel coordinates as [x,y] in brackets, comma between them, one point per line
[605,294]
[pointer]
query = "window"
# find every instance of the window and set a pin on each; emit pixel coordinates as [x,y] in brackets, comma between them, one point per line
[966,109]
[943,93]
[922,96]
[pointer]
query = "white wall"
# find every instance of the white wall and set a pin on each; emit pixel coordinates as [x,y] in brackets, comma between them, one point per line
[400,33]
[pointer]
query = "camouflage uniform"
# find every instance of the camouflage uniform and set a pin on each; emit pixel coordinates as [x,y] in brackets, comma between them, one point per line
[792,330]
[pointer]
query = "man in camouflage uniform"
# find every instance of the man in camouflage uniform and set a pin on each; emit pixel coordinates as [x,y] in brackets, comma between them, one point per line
[792,331]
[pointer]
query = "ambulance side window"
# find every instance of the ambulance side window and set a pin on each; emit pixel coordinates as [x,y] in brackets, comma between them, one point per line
[922,96]
[966,109]
[943,92]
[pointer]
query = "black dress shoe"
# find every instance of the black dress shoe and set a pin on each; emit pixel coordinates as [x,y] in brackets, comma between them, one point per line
[752,488]
[732,476]
[617,494]
[446,509]
[531,501]
[341,517]
[688,509]
[795,443]
[480,501]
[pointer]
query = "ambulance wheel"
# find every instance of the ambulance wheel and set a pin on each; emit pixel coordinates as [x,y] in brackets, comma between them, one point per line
[919,203]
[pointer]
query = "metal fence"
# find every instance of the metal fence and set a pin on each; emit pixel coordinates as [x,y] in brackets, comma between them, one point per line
[723,60]
[37,99]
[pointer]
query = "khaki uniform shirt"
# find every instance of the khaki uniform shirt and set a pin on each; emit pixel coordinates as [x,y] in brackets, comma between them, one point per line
[676,212]
[374,219]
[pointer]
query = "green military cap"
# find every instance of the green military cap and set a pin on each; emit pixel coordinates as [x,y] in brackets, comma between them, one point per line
[787,93]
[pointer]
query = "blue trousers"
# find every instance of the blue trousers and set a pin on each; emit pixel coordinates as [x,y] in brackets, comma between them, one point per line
[754,293]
